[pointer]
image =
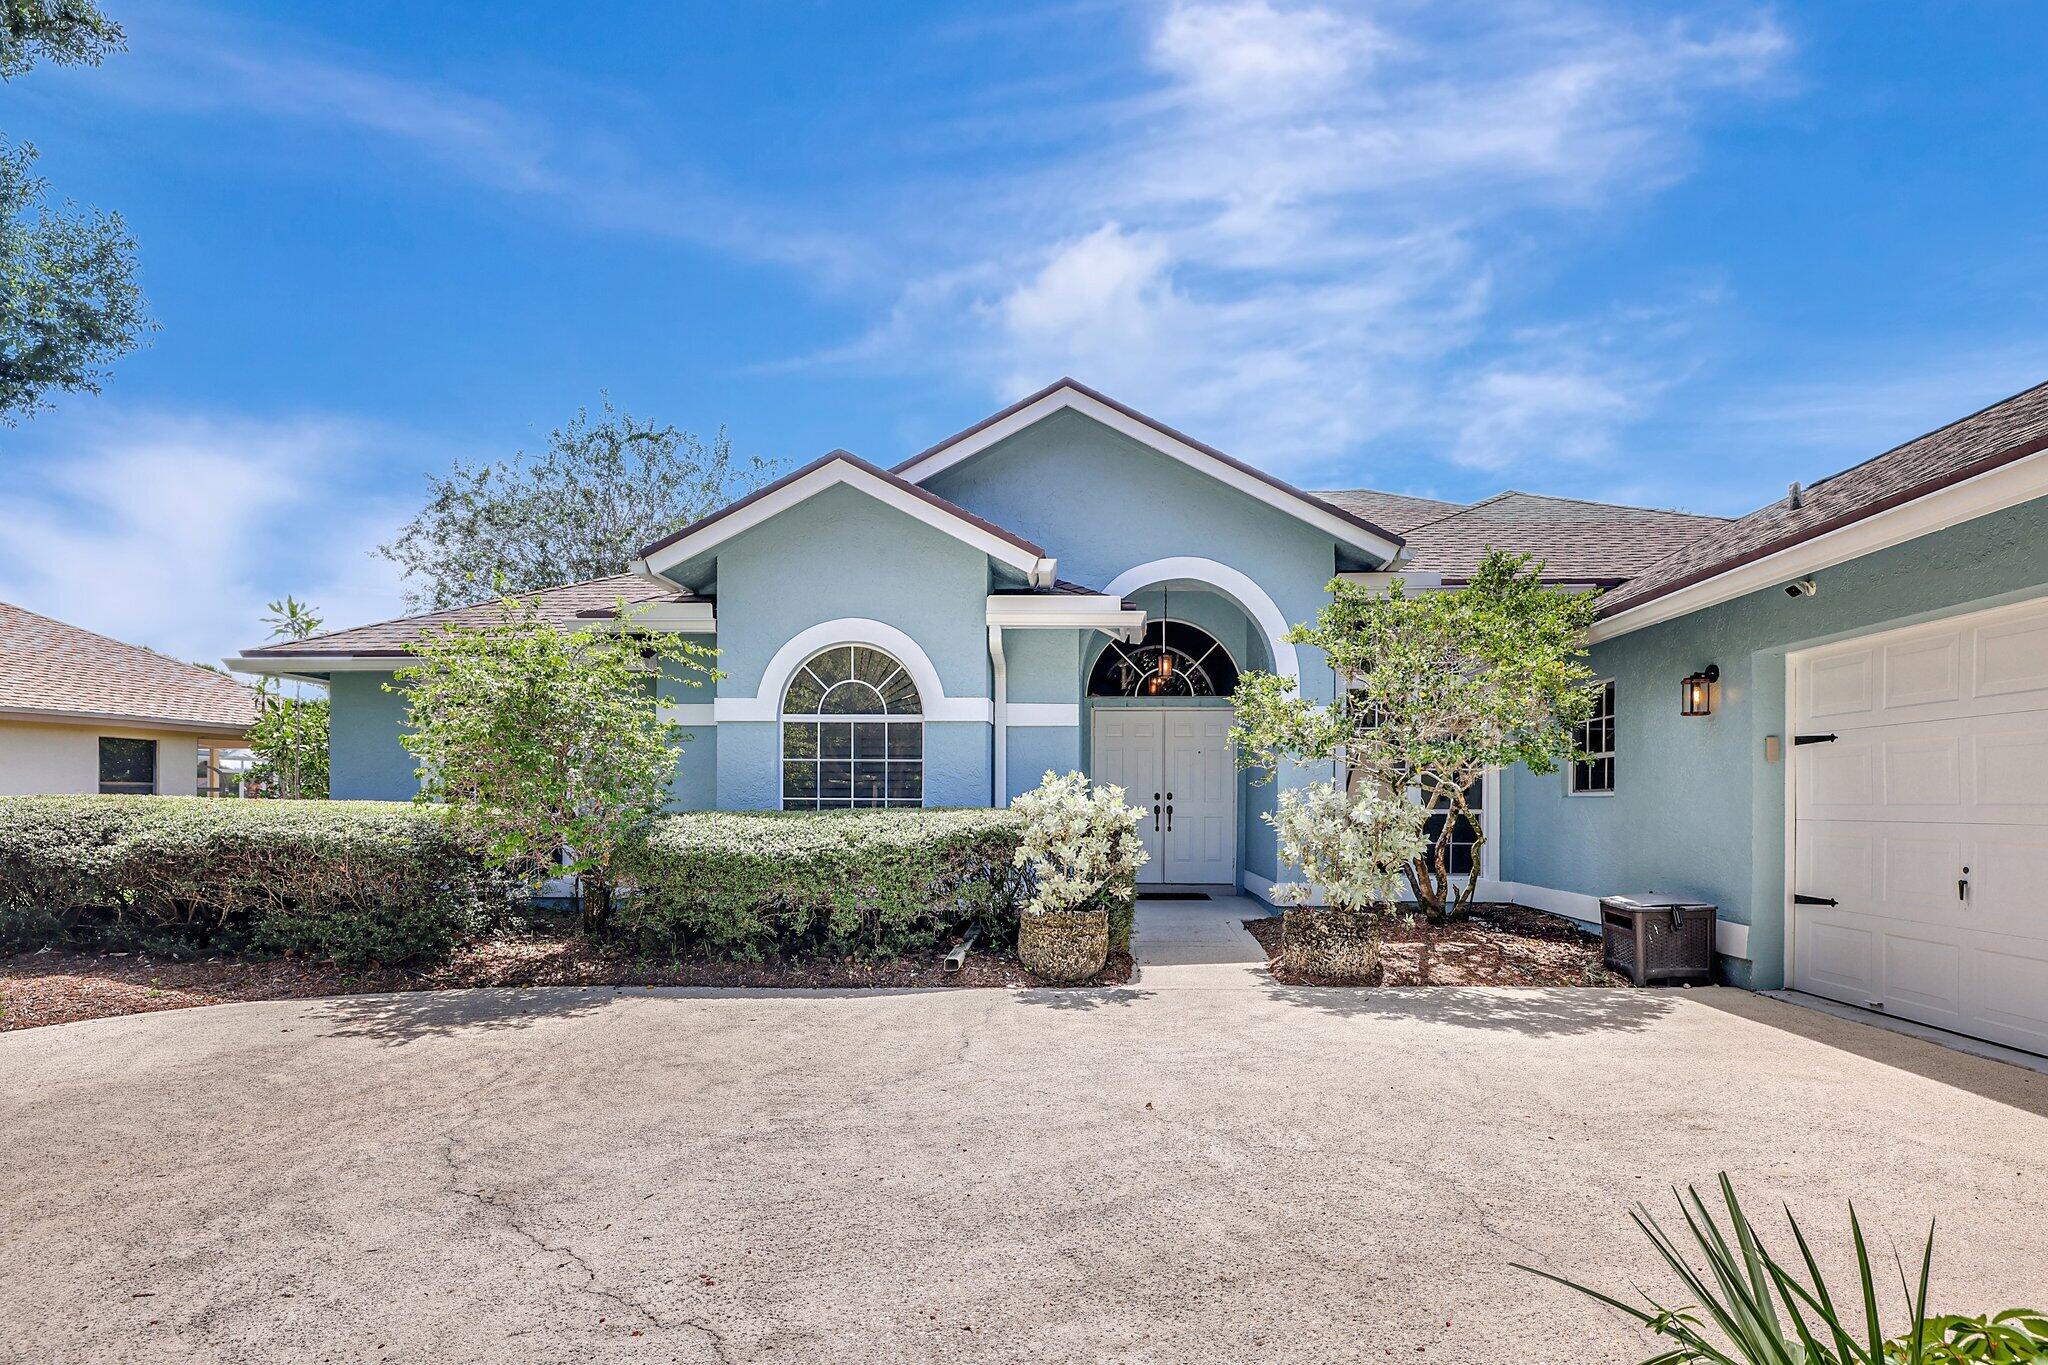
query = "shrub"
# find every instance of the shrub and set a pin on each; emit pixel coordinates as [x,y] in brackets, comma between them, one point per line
[790,884]
[1080,846]
[1752,1306]
[356,881]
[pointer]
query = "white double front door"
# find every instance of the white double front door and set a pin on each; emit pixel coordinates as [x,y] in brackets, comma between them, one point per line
[1176,765]
[1920,824]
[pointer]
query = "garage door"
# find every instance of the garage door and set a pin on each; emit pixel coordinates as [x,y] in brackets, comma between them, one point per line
[1920,837]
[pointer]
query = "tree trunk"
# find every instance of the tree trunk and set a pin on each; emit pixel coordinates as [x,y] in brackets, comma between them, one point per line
[597,904]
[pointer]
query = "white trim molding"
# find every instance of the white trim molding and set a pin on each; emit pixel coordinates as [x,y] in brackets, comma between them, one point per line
[1043,713]
[766,703]
[2023,480]
[1067,396]
[1232,583]
[1066,611]
[669,618]
[687,713]
[831,472]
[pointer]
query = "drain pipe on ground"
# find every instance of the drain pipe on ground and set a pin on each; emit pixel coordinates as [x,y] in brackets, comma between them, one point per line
[957,959]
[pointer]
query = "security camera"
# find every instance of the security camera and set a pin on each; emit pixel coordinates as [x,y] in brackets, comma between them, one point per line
[1805,587]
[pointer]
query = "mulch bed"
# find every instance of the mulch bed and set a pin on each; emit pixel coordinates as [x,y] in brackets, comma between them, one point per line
[1498,945]
[54,987]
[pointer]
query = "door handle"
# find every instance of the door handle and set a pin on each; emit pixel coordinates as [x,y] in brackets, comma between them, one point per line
[1963,885]
[1155,817]
[1169,815]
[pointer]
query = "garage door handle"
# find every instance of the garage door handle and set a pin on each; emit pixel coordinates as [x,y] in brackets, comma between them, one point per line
[1813,739]
[1814,900]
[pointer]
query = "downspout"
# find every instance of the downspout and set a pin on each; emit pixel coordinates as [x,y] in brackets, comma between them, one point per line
[999,782]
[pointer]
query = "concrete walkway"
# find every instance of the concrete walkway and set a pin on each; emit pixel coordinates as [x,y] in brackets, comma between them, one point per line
[1199,945]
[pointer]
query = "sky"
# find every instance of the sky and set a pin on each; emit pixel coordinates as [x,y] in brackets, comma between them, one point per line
[1672,254]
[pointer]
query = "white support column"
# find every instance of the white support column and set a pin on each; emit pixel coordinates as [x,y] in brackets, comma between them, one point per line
[999,781]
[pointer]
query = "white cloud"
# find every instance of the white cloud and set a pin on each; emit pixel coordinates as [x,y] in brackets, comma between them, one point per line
[1312,231]
[173,530]
[1254,55]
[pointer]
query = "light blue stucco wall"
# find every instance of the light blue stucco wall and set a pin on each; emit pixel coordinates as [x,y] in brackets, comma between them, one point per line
[1696,809]
[365,761]
[844,554]
[695,785]
[1044,667]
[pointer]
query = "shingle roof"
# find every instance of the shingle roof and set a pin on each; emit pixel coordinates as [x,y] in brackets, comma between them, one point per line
[47,666]
[2004,432]
[1578,541]
[569,606]
[1398,512]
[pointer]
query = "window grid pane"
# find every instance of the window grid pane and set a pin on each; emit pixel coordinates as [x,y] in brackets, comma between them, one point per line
[867,750]
[1595,738]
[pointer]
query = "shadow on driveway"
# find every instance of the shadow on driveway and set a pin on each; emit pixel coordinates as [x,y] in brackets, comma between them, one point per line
[1985,1077]
[403,1017]
[1542,1012]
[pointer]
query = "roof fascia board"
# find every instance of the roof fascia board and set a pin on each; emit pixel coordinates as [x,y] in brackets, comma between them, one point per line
[226,729]
[308,666]
[2008,485]
[831,473]
[1293,503]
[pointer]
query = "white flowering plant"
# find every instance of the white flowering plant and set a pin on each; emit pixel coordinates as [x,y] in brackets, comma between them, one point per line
[1079,841]
[1355,848]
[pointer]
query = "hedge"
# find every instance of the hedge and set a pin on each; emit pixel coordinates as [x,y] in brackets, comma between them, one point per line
[860,883]
[356,881]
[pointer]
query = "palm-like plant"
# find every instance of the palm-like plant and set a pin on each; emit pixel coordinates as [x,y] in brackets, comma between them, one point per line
[1749,1308]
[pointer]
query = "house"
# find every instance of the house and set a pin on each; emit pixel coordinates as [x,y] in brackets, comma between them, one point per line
[1071,584]
[83,713]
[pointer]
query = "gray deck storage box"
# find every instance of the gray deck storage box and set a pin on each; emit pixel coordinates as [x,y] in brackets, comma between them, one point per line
[1655,938]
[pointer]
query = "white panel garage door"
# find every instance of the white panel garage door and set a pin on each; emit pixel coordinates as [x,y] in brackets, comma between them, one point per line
[1925,821]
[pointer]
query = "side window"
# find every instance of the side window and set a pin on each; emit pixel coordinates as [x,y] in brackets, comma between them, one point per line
[127,767]
[1594,773]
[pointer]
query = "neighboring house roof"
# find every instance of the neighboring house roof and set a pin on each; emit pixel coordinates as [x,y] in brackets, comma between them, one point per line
[831,470]
[1978,444]
[569,606]
[1396,511]
[54,670]
[1351,527]
[1578,541]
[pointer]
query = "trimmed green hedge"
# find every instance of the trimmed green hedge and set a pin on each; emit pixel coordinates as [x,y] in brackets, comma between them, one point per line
[357,881]
[860,883]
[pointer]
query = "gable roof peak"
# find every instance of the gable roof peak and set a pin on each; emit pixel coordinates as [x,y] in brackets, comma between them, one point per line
[1066,392]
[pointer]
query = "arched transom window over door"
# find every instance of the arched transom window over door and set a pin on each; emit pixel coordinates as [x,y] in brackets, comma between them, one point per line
[852,732]
[1174,659]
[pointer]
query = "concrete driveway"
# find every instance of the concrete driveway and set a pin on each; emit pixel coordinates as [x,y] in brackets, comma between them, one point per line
[1218,1169]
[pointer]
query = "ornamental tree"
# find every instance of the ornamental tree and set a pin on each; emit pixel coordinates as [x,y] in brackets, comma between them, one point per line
[289,737]
[1439,688]
[548,745]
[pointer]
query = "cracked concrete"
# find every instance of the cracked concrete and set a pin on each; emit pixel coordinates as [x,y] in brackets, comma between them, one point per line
[1250,1173]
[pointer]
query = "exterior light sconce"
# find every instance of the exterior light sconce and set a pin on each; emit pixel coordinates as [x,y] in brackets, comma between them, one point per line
[1696,693]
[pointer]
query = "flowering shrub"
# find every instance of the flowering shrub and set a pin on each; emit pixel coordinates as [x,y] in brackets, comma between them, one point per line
[1079,842]
[1354,848]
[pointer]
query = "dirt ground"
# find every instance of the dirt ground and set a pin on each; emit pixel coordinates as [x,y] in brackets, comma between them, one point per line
[1499,945]
[61,987]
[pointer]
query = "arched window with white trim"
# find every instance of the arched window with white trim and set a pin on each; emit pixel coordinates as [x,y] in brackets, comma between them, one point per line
[852,732]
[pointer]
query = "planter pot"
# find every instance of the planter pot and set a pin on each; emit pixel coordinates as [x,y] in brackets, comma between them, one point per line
[1330,942]
[1064,945]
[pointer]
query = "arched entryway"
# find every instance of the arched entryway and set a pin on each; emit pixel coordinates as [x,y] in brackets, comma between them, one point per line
[1159,717]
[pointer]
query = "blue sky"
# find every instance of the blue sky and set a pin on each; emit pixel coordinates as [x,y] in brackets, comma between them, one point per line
[1677,254]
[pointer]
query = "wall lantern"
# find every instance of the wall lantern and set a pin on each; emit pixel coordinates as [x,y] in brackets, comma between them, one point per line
[1696,693]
